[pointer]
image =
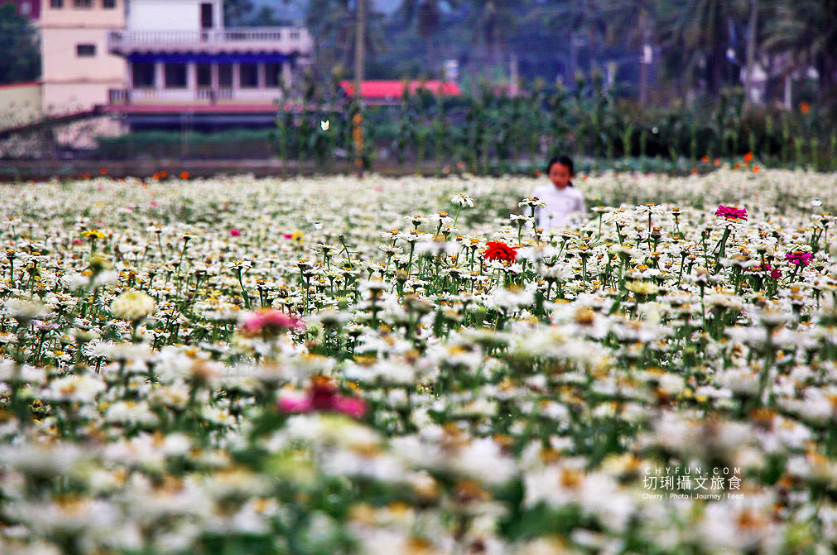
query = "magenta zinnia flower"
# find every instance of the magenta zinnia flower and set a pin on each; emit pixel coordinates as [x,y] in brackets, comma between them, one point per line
[731,212]
[235,232]
[775,273]
[267,321]
[323,397]
[799,258]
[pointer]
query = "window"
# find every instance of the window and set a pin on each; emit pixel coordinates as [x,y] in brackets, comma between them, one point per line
[175,76]
[56,3]
[109,4]
[85,50]
[204,75]
[206,16]
[83,3]
[225,75]
[272,75]
[143,75]
[249,76]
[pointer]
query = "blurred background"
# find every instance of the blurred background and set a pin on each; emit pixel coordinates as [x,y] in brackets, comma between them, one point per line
[444,86]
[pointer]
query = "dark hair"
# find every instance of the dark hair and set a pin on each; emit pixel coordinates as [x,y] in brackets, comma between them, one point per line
[564,161]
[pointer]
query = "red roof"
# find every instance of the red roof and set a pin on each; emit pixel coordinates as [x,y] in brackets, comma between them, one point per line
[395,89]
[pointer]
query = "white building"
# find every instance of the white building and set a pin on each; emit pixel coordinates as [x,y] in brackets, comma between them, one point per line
[181,58]
[151,61]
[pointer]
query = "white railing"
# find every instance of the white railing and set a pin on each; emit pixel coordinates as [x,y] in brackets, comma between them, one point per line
[202,95]
[282,38]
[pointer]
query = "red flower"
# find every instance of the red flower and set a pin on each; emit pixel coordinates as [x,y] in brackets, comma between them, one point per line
[799,258]
[731,212]
[500,251]
[323,397]
[269,322]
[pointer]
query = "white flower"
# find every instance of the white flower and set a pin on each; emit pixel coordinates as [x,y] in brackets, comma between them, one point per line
[462,199]
[132,305]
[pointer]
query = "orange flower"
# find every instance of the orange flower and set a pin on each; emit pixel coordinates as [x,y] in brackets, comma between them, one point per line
[748,157]
[755,169]
[804,107]
[705,159]
[694,171]
[103,171]
[737,165]
[184,175]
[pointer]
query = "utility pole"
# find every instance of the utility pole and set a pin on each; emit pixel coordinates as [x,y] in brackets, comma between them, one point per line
[751,51]
[357,118]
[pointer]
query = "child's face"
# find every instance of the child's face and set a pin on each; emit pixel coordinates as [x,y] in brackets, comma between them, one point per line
[560,175]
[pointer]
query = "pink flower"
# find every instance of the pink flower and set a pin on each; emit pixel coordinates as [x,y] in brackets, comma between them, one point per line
[323,397]
[78,242]
[775,273]
[799,258]
[269,322]
[288,235]
[154,203]
[235,232]
[731,212]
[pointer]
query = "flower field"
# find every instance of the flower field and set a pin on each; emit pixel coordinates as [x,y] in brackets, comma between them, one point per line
[405,366]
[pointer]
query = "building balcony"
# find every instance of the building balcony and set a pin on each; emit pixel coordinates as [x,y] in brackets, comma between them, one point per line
[284,40]
[195,98]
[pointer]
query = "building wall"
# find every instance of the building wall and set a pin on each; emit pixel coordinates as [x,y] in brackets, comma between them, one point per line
[180,15]
[73,82]
[71,16]
[19,104]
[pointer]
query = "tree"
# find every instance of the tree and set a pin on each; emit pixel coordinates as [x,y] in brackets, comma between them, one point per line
[237,12]
[807,29]
[577,20]
[21,60]
[696,35]
[333,25]
[493,24]
[427,16]
[632,23]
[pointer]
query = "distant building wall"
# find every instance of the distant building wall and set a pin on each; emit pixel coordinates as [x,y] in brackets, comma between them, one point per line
[78,70]
[180,15]
[19,104]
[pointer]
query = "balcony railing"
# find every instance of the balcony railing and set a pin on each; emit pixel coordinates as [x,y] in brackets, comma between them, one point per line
[282,39]
[198,96]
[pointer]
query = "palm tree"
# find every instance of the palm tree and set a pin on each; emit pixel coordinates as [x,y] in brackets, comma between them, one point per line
[696,33]
[333,24]
[807,29]
[427,15]
[492,25]
[582,21]
[632,23]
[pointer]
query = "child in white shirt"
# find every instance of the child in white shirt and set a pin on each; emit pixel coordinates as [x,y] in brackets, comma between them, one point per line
[561,197]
